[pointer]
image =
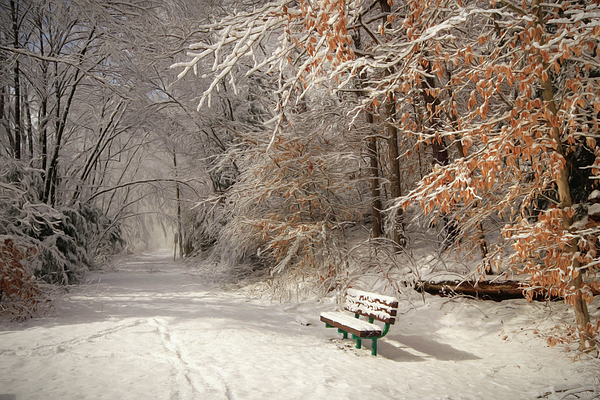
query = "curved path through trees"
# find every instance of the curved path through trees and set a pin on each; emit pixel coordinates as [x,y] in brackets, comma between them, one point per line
[148,328]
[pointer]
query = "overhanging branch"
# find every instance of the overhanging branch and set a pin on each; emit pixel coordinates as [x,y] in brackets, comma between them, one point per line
[145,181]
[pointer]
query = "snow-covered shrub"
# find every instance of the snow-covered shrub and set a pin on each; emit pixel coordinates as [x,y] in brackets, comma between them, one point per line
[297,193]
[64,255]
[203,225]
[65,238]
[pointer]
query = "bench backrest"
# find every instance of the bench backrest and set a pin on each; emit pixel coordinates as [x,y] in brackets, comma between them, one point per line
[372,305]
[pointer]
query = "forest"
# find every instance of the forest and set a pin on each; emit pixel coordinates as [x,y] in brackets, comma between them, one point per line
[305,144]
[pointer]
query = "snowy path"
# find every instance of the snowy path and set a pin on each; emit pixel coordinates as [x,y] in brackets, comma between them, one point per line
[153,330]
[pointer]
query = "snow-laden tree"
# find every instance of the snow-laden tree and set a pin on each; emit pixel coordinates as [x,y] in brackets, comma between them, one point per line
[47,65]
[521,97]
[302,172]
[78,113]
[514,87]
[504,93]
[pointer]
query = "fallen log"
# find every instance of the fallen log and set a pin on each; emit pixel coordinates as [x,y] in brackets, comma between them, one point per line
[496,291]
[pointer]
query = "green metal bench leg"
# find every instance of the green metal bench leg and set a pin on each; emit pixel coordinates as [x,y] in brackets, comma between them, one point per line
[359,340]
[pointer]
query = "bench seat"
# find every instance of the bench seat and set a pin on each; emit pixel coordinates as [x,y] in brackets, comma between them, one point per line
[351,324]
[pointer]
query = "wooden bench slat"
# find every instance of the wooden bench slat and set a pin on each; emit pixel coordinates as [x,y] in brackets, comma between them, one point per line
[373,297]
[358,327]
[374,306]
[370,313]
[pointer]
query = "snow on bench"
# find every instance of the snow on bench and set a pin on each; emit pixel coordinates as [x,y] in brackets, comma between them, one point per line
[371,305]
[358,327]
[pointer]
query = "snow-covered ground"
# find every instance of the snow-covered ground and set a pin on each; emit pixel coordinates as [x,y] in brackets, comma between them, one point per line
[152,329]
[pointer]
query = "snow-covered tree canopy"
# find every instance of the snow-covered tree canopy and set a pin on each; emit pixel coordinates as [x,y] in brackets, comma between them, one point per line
[506,94]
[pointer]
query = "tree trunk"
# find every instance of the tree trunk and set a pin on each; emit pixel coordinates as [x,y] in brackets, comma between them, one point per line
[43,132]
[438,145]
[395,184]
[17,130]
[496,291]
[2,116]
[582,316]
[43,110]
[373,154]
[392,139]
[376,205]
[178,198]
[28,125]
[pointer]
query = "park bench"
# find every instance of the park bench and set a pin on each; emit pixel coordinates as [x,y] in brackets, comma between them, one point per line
[370,305]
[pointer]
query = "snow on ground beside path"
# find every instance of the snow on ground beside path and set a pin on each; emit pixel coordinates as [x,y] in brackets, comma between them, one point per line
[151,329]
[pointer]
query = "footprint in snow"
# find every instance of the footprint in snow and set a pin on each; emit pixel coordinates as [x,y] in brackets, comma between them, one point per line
[302,320]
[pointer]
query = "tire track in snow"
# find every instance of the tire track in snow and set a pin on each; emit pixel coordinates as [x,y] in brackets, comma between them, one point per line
[54,348]
[185,372]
